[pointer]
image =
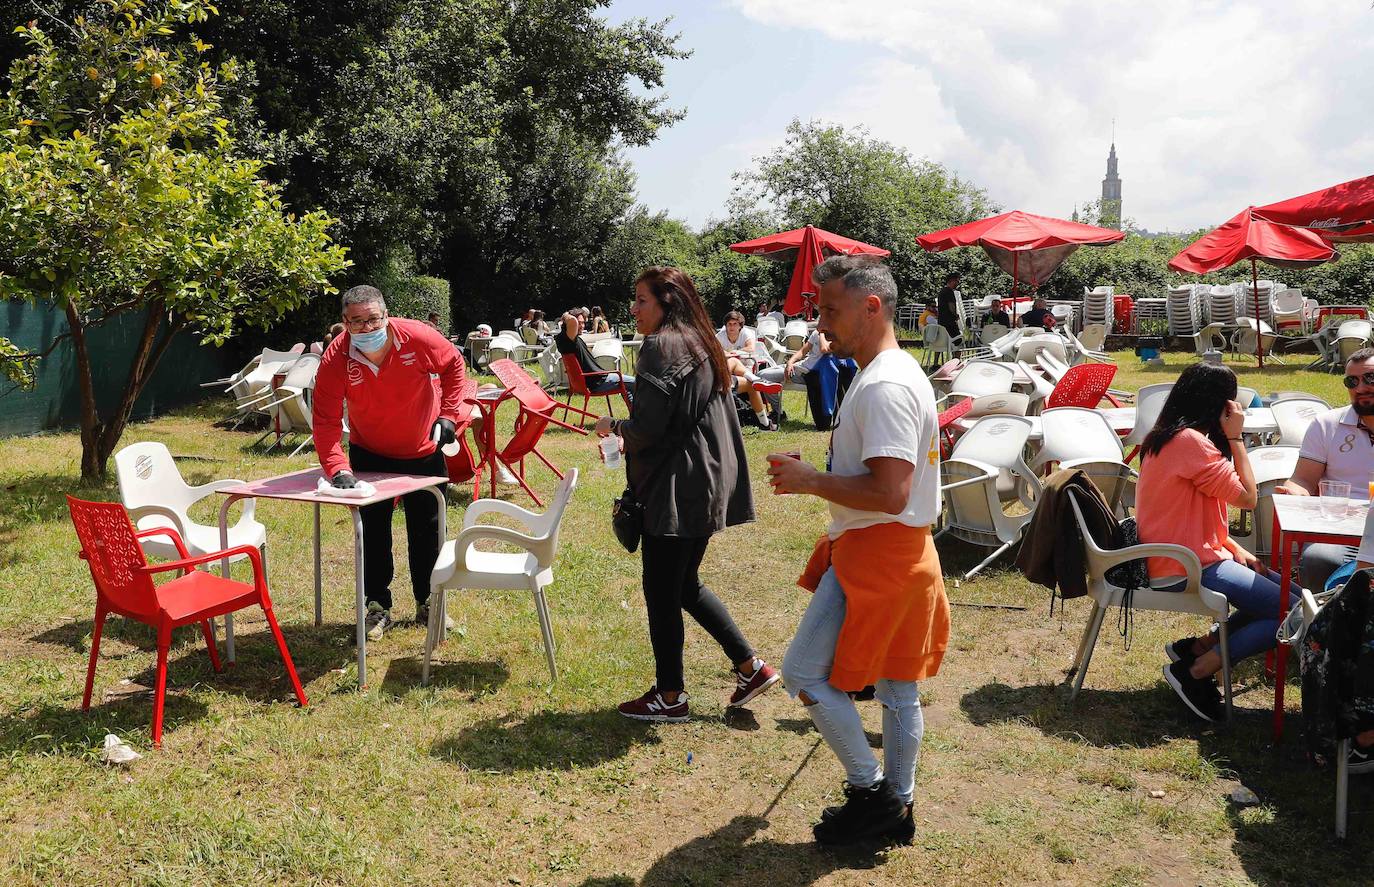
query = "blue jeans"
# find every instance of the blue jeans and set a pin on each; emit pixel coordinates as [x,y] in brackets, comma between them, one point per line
[1256,599]
[806,668]
[610,382]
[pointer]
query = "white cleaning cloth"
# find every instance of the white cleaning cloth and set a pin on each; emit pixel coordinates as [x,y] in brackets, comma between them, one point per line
[361,491]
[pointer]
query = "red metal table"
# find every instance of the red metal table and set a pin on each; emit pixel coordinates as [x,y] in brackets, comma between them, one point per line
[1297,522]
[300,486]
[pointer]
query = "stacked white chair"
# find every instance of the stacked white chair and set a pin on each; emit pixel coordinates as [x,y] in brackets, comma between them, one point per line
[1262,307]
[254,388]
[1066,313]
[1291,309]
[1098,305]
[1013,403]
[768,327]
[289,410]
[979,377]
[1351,336]
[985,469]
[1221,304]
[794,335]
[1184,310]
[1150,316]
[1271,466]
[1030,347]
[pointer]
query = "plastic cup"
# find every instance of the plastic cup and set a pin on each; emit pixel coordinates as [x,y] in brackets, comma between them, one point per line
[610,451]
[787,454]
[1371,486]
[1334,496]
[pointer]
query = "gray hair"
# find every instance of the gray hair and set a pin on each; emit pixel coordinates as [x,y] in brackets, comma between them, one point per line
[363,295]
[860,274]
[1360,356]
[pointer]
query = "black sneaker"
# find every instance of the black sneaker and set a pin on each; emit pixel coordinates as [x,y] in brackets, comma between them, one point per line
[422,616]
[1181,649]
[1200,695]
[1361,759]
[377,622]
[874,813]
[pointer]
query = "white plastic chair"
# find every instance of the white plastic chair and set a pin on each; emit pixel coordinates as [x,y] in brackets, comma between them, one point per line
[462,565]
[608,353]
[1254,335]
[1193,598]
[1210,338]
[769,327]
[1030,347]
[1245,396]
[937,345]
[1294,415]
[255,386]
[1013,403]
[794,335]
[505,346]
[1149,401]
[1272,466]
[985,468]
[991,332]
[979,377]
[153,491]
[289,411]
[1075,437]
[1093,337]
[1351,336]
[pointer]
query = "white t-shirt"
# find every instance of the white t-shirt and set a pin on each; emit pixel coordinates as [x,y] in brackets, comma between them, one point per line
[889,411]
[1335,439]
[814,355]
[744,343]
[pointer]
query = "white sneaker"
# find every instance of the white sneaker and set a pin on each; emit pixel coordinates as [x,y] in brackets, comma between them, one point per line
[504,477]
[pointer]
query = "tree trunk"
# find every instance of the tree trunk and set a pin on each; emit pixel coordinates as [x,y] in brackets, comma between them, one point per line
[92,468]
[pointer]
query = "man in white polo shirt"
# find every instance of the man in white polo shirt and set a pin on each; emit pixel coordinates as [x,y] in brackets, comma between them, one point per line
[1339,445]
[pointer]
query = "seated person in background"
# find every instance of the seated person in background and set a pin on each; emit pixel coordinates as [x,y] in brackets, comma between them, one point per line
[568,340]
[998,314]
[1194,465]
[736,341]
[335,331]
[1039,315]
[928,314]
[432,319]
[598,321]
[543,330]
[802,366]
[1339,445]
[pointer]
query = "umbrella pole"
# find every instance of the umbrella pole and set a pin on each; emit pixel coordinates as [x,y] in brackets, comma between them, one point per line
[1259,339]
[1015,318]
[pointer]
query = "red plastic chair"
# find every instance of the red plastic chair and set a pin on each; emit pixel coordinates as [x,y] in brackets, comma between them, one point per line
[124,585]
[1082,386]
[536,413]
[577,384]
[946,422]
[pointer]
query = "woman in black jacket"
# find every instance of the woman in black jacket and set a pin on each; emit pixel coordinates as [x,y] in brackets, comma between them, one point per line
[686,464]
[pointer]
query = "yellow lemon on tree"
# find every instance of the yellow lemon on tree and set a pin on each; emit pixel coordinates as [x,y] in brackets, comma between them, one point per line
[156,80]
[93,73]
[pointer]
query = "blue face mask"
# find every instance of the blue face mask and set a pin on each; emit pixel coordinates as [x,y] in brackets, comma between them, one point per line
[370,342]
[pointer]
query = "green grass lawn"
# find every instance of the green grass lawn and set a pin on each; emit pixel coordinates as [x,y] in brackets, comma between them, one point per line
[492,776]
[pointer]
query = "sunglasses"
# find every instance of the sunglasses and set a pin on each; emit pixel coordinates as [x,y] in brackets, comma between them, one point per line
[1352,382]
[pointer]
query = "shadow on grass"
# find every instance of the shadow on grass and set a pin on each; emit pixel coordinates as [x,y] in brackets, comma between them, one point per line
[804,727]
[547,740]
[475,678]
[41,499]
[67,730]
[732,855]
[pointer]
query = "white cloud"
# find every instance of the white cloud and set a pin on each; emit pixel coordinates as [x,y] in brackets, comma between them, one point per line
[1218,105]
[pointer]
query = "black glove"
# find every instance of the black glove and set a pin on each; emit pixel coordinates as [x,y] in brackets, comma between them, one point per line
[344,481]
[445,429]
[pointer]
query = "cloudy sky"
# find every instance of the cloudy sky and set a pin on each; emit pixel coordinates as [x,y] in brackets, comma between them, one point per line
[1218,105]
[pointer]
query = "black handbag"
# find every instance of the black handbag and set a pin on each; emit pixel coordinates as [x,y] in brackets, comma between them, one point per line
[627,512]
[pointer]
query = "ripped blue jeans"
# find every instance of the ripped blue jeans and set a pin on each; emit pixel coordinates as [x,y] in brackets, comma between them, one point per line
[806,669]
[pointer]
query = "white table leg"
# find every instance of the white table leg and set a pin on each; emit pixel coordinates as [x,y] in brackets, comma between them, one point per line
[319,601]
[224,571]
[443,534]
[361,596]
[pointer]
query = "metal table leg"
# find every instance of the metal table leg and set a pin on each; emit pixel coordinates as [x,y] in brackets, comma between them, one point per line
[319,600]
[361,596]
[224,571]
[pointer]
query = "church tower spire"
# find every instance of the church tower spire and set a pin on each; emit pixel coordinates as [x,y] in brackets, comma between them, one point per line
[1111,190]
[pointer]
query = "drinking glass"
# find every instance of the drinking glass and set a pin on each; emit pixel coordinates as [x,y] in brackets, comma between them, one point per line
[1334,494]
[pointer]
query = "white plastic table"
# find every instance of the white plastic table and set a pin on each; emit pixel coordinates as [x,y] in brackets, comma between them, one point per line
[1258,420]
[300,486]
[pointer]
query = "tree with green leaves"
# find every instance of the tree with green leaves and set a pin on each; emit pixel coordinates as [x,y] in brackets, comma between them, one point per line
[124,194]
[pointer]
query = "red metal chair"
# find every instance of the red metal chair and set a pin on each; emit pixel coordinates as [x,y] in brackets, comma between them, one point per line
[124,585]
[1083,386]
[946,422]
[577,384]
[536,412]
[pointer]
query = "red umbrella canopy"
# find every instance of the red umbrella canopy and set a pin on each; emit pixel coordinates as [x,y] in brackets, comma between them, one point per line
[1246,236]
[808,247]
[1340,206]
[1028,247]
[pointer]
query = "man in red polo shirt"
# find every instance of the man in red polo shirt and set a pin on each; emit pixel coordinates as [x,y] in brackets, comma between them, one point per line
[381,371]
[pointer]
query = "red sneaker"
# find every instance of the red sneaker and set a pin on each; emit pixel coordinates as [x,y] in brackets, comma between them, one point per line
[653,707]
[763,387]
[753,686]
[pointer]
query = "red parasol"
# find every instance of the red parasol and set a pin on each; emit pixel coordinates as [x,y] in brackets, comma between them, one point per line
[809,247]
[1028,247]
[1340,206]
[1247,236]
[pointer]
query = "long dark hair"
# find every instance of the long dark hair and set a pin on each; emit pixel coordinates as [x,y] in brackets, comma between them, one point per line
[1197,400]
[684,317]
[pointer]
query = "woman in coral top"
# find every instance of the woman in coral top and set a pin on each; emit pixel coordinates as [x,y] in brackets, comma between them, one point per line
[1193,467]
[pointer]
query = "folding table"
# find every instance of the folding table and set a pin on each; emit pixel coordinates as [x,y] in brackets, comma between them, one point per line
[300,486]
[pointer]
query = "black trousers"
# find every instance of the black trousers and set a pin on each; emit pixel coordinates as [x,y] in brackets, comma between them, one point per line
[671,585]
[422,526]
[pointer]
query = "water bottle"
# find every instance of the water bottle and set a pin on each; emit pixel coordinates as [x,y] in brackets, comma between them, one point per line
[610,451]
